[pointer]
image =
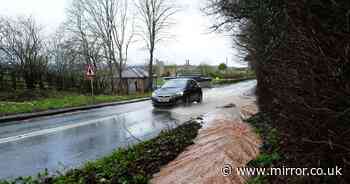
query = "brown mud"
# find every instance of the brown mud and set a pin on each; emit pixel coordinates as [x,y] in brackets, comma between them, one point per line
[224,139]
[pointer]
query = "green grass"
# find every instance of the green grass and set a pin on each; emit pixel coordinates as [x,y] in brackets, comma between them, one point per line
[269,152]
[62,101]
[231,81]
[135,165]
[231,73]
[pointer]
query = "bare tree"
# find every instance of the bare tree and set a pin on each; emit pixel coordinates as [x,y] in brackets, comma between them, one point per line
[76,24]
[155,16]
[123,35]
[87,41]
[108,21]
[21,41]
[65,62]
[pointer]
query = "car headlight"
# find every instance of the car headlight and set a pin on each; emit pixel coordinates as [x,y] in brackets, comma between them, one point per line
[154,94]
[181,93]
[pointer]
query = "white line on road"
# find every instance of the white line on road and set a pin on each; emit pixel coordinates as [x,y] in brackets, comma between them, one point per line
[52,130]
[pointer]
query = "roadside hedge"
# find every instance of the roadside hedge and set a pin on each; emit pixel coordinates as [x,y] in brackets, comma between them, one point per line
[301,53]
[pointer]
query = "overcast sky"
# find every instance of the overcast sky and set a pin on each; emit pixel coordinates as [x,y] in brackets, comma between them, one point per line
[192,38]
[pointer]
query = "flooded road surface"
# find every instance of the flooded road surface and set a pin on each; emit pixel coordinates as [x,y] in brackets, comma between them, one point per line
[68,140]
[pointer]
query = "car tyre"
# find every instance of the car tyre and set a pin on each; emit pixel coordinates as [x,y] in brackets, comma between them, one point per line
[187,100]
[200,98]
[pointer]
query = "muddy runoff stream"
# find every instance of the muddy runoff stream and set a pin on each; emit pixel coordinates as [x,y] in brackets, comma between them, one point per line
[224,141]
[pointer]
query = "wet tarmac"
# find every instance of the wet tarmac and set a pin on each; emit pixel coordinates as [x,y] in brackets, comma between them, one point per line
[68,140]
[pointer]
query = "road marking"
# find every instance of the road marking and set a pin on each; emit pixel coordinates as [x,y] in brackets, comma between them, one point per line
[51,130]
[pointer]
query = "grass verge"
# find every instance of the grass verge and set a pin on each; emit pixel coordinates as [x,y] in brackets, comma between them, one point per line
[134,165]
[60,101]
[231,81]
[269,151]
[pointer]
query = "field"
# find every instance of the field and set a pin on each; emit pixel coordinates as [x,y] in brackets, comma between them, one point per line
[54,100]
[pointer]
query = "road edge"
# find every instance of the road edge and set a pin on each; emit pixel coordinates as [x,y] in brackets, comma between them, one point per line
[25,116]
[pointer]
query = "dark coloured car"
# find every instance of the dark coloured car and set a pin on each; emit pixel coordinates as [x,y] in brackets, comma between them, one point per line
[204,82]
[177,91]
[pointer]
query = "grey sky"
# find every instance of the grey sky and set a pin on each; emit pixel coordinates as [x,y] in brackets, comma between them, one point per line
[192,40]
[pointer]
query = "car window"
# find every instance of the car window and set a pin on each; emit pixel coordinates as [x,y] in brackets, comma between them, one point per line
[175,84]
[193,84]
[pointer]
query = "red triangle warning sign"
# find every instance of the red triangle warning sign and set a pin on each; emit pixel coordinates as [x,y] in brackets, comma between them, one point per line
[90,72]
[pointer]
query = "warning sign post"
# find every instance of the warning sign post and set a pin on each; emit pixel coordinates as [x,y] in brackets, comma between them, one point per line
[90,75]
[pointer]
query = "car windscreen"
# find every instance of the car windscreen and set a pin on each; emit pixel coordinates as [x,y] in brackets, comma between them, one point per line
[175,84]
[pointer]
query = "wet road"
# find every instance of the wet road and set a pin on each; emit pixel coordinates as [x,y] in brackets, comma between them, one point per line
[68,140]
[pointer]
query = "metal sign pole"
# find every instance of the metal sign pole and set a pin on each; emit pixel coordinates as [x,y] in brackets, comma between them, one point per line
[92,89]
[90,74]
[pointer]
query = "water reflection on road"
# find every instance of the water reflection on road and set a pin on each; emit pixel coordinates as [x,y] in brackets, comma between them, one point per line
[68,140]
[73,146]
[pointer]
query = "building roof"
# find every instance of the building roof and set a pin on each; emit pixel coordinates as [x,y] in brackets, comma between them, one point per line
[134,73]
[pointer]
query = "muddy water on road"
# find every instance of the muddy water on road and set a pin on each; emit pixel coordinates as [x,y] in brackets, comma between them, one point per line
[215,98]
[223,144]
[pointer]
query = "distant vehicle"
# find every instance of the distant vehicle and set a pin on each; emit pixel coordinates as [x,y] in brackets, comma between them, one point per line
[176,91]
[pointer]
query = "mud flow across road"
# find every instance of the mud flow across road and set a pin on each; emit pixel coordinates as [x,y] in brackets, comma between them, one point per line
[224,141]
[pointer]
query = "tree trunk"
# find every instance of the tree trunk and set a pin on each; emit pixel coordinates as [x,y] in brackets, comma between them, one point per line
[41,82]
[112,79]
[14,80]
[1,79]
[29,83]
[120,73]
[150,71]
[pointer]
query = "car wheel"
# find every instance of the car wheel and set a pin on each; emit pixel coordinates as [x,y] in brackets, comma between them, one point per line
[200,98]
[179,101]
[187,100]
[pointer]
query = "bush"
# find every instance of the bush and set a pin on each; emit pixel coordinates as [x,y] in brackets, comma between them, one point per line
[300,50]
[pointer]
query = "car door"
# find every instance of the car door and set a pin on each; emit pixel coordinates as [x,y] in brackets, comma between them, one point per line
[188,90]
